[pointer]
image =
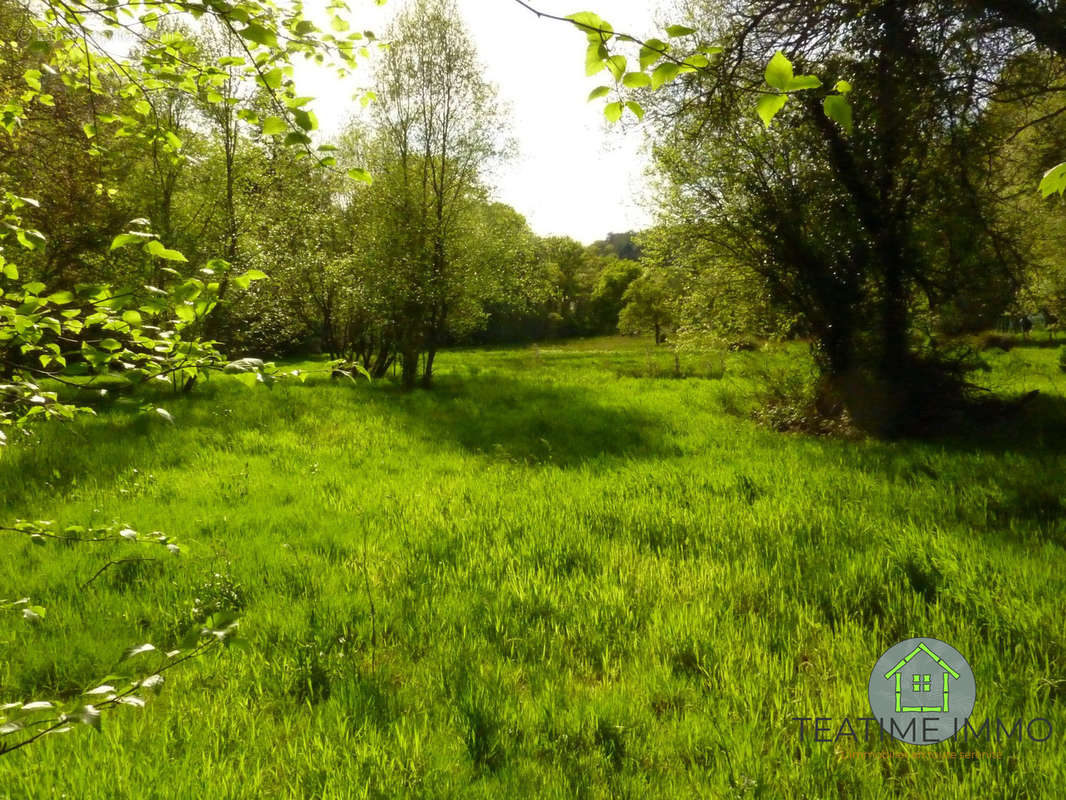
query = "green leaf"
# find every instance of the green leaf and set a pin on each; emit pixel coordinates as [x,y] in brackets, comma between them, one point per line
[779,71]
[88,715]
[11,272]
[89,129]
[617,65]
[595,58]
[838,109]
[801,82]
[273,78]
[1054,181]
[842,86]
[156,248]
[361,175]
[191,637]
[598,92]
[305,119]
[255,32]
[636,80]
[244,280]
[586,20]
[636,108]
[34,614]
[651,51]
[664,73]
[297,138]
[613,111]
[679,30]
[272,126]
[221,620]
[780,75]
[124,239]
[769,105]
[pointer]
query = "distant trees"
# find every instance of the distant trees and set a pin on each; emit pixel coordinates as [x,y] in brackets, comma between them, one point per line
[581,291]
[650,304]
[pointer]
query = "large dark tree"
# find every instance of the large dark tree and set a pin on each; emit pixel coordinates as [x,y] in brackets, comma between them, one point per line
[875,234]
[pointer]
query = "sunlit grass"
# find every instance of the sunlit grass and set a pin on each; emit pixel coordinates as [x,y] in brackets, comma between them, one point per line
[549,577]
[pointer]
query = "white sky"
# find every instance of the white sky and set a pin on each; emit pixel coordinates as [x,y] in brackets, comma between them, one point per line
[573,174]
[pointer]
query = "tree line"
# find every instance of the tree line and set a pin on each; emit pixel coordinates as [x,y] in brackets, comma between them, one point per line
[380,272]
[857,174]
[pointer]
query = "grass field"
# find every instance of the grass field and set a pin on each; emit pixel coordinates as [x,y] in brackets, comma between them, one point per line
[552,576]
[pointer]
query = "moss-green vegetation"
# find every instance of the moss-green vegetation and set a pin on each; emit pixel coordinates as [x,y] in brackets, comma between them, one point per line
[550,577]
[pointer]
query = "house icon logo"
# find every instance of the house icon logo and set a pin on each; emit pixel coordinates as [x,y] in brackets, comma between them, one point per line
[922,691]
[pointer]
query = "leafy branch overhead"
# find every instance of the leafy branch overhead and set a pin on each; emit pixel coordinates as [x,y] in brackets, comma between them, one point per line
[74,50]
[780,76]
[72,339]
[659,62]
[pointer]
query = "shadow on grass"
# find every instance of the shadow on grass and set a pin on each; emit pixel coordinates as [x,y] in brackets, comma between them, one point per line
[498,417]
[522,420]
[1037,428]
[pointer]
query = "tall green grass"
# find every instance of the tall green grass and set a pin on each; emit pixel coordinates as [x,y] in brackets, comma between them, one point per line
[552,576]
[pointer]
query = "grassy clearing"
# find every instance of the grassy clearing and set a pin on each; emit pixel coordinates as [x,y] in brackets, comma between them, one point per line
[581,584]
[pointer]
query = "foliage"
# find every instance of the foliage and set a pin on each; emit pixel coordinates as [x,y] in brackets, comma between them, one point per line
[1030,119]
[867,238]
[75,338]
[649,305]
[438,129]
[71,328]
[24,722]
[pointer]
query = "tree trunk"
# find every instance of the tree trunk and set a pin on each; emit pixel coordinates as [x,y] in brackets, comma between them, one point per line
[409,367]
[427,375]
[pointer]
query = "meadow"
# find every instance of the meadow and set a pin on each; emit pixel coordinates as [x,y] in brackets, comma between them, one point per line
[561,573]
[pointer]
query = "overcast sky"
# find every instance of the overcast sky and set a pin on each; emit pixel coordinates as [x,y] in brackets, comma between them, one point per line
[573,175]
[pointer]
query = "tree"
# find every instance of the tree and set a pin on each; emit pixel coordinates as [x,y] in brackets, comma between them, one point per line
[716,297]
[649,305]
[859,226]
[438,124]
[1031,118]
[614,276]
